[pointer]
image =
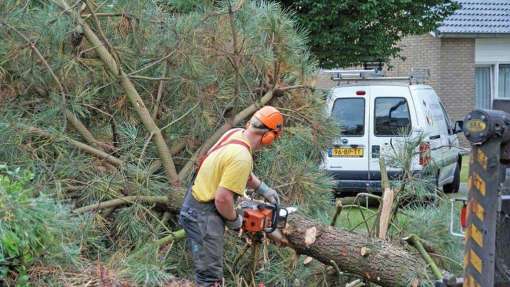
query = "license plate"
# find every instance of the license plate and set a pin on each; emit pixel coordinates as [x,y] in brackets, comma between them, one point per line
[347,152]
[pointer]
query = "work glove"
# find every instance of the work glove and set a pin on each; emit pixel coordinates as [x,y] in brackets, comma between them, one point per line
[236,224]
[268,193]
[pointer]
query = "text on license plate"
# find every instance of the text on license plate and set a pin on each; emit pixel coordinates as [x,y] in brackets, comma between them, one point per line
[347,152]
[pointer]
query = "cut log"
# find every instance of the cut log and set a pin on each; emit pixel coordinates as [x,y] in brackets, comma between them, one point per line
[386,264]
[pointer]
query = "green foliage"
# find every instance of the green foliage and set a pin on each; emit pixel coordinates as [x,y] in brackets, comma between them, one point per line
[34,228]
[431,224]
[412,188]
[352,32]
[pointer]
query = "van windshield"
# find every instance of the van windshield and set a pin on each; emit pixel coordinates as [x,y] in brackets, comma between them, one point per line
[350,114]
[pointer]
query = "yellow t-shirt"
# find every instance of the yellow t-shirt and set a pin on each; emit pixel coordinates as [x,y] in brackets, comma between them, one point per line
[229,166]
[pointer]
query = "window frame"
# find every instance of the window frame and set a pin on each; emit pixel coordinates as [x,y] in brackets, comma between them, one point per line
[492,81]
[494,78]
[364,114]
[496,82]
[408,113]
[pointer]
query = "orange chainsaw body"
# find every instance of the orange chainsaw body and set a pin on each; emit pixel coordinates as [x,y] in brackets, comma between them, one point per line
[256,220]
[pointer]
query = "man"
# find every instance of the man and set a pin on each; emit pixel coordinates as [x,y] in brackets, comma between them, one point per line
[223,175]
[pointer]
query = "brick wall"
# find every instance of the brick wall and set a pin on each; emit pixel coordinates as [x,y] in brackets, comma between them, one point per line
[418,52]
[451,65]
[457,85]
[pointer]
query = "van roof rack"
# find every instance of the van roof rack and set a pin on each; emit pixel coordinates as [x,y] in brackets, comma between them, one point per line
[340,75]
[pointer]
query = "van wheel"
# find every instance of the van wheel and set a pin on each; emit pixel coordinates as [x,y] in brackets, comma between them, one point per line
[455,185]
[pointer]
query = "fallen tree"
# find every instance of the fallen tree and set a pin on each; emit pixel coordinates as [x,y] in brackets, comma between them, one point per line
[376,260]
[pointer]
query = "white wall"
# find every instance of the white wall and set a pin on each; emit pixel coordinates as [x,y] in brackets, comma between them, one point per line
[492,50]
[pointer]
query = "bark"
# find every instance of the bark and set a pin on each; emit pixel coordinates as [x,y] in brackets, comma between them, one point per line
[172,205]
[172,237]
[386,264]
[84,147]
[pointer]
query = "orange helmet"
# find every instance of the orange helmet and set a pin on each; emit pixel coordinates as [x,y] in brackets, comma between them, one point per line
[272,120]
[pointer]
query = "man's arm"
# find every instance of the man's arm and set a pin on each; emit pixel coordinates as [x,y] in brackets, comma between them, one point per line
[253,182]
[224,202]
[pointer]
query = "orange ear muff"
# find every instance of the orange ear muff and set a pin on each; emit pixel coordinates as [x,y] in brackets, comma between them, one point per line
[268,138]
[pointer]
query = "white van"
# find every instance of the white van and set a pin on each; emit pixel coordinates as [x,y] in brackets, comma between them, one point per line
[373,114]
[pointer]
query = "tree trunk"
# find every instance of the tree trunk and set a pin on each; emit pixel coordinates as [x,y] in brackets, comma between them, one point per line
[384,263]
[376,260]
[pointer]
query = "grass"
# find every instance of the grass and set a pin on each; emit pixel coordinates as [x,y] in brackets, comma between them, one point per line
[464,172]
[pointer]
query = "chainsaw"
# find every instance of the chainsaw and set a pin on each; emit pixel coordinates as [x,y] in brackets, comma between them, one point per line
[263,217]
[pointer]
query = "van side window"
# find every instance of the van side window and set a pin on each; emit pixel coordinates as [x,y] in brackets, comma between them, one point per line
[392,117]
[350,114]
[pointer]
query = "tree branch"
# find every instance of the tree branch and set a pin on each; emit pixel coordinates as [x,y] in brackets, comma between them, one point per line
[134,97]
[161,88]
[86,148]
[149,78]
[237,86]
[122,201]
[172,206]
[75,122]
[48,67]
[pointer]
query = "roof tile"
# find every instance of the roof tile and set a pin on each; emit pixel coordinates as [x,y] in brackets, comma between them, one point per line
[480,17]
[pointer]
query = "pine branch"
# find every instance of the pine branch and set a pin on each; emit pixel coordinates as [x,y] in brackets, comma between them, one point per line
[149,78]
[86,148]
[108,15]
[122,201]
[134,97]
[172,237]
[100,31]
[45,63]
[296,87]
[131,74]
[161,87]
[75,122]
[162,200]
[235,62]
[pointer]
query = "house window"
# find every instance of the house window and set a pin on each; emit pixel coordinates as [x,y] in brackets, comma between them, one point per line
[504,81]
[483,87]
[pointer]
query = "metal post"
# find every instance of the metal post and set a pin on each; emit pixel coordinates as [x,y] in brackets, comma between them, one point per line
[486,255]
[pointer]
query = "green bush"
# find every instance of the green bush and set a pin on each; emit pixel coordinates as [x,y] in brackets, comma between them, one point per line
[33,229]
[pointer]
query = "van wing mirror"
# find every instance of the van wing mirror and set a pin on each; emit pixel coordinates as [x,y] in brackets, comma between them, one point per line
[459,127]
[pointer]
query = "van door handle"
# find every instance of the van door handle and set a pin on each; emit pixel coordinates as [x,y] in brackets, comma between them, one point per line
[376,151]
[435,137]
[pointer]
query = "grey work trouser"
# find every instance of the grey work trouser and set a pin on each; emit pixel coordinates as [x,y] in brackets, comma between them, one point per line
[204,229]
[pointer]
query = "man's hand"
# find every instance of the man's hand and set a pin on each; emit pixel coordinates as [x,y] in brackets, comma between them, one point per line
[272,196]
[268,193]
[236,224]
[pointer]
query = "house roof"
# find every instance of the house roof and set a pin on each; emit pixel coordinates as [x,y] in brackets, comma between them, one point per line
[478,17]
